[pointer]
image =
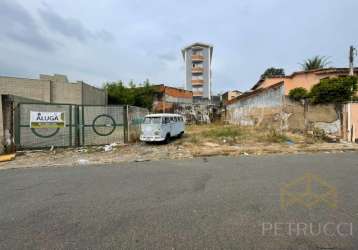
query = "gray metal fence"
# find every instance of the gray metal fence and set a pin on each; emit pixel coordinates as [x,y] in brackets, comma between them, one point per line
[84,125]
[135,118]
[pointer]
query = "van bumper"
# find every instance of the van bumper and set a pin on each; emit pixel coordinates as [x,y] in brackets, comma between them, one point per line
[151,138]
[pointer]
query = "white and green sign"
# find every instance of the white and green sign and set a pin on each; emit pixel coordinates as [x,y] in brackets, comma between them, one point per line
[40,119]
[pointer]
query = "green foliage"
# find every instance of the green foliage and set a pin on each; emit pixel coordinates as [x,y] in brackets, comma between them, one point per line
[298,94]
[141,95]
[334,90]
[316,62]
[275,136]
[223,132]
[273,72]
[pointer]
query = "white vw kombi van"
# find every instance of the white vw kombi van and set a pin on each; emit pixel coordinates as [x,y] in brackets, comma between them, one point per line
[161,127]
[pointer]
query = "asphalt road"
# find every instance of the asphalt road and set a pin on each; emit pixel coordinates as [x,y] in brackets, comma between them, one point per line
[210,203]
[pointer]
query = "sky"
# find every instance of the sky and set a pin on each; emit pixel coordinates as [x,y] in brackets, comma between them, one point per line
[110,40]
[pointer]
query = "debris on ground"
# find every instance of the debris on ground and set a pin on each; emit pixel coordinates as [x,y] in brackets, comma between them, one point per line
[83,161]
[211,144]
[7,157]
[107,148]
[141,160]
[82,150]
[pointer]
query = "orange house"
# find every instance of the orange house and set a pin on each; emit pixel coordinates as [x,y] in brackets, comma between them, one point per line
[304,79]
[166,97]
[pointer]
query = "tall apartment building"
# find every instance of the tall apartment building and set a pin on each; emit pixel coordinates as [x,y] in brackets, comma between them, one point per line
[197,58]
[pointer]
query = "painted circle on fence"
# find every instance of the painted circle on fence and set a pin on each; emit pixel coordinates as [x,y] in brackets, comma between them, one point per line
[104,125]
[45,135]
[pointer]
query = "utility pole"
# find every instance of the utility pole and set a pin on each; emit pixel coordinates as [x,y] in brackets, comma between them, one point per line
[352,54]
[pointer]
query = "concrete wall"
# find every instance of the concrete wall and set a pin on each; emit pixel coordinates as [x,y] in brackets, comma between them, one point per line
[36,89]
[272,109]
[63,91]
[93,96]
[350,121]
[299,117]
[251,110]
[8,104]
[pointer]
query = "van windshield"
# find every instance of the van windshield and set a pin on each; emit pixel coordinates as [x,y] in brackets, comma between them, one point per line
[152,120]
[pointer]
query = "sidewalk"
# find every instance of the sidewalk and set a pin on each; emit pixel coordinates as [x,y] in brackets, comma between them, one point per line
[141,152]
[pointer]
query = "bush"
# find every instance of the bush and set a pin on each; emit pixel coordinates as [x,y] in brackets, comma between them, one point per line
[298,94]
[141,96]
[276,137]
[335,90]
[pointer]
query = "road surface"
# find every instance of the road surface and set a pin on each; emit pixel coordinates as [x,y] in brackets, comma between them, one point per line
[204,203]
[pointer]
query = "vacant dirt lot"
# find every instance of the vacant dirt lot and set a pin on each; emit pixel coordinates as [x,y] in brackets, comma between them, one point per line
[199,141]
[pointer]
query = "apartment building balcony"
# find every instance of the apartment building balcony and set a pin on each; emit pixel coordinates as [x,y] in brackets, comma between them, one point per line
[197,93]
[197,58]
[197,82]
[197,70]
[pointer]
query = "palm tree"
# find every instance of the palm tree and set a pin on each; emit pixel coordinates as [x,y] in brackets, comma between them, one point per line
[316,62]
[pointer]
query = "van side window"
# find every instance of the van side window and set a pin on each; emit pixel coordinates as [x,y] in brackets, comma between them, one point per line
[167,120]
[175,119]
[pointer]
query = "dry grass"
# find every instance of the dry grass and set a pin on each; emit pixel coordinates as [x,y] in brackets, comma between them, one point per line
[233,134]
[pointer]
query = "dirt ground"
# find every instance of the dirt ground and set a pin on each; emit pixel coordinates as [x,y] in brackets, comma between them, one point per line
[199,141]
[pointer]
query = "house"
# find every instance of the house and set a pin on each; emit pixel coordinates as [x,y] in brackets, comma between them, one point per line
[229,95]
[304,79]
[166,98]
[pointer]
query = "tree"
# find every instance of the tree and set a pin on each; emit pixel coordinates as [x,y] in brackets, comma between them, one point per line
[298,94]
[334,90]
[273,72]
[316,62]
[141,96]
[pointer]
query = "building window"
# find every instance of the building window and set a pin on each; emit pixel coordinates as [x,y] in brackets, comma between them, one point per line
[198,52]
[197,89]
[198,77]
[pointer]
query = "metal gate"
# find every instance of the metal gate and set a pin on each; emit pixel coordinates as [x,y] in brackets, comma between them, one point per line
[27,137]
[101,124]
[84,125]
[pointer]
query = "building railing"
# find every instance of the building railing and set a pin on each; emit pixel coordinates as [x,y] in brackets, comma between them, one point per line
[197,93]
[197,58]
[197,82]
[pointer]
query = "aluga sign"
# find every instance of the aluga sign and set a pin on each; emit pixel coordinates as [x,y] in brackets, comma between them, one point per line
[39,119]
